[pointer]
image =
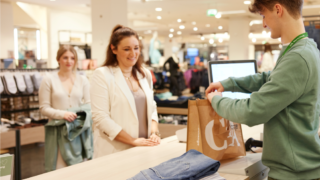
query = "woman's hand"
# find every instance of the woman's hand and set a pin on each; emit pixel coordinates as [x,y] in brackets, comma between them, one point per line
[155,138]
[143,142]
[69,116]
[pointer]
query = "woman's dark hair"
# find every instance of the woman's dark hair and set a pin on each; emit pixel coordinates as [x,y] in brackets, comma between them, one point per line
[120,32]
[267,48]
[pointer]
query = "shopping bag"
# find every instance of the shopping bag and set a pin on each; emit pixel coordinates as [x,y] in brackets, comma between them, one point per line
[219,138]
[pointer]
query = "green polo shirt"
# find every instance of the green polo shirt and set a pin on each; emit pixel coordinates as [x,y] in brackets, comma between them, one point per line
[287,102]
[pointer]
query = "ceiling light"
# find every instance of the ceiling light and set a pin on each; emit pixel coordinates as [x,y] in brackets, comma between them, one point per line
[194,23]
[279,39]
[202,38]
[207,25]
[250,35]
[159,17]
[158,9]
[247,2]
[179,32]
[182,27]
[220,40]
[212,35]
[211,41]
[171,30]
[264,32]
[179,20]
[255,22]
[269,34]
[212,55]
[218,15]
[140,38]
[220,27]
[195,29]
[254,40]
[170,35]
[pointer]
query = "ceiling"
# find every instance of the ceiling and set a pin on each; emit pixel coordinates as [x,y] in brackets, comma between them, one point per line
[143,16]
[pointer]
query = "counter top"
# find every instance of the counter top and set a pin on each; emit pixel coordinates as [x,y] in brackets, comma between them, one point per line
[124,164]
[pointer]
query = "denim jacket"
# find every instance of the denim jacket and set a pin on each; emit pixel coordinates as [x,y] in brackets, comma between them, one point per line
[74,139]
[191,165]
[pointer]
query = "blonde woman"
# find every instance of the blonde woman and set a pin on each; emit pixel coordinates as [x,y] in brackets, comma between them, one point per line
[63,90]
[124,112]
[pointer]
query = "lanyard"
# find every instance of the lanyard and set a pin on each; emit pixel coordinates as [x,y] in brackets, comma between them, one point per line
[298,38]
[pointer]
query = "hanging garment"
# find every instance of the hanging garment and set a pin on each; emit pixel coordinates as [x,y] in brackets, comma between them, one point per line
[1,86]
[154,53]
[21,85]
[9,84]
[36,79]
[29,84]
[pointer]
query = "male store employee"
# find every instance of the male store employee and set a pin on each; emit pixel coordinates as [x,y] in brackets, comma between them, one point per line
[285,100]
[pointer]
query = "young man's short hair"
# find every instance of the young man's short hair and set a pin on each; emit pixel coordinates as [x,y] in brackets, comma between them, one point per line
[294,7]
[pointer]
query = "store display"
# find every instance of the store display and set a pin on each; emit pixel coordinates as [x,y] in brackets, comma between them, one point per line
[186,166]
[227,140]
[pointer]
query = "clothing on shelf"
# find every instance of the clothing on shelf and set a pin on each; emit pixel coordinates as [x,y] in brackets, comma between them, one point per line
[186,166]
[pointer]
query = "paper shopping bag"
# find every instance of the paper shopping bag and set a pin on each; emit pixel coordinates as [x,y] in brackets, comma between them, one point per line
[220,138]
[194,140]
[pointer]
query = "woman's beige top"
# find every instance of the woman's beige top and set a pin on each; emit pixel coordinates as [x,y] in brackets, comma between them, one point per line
[141,106]
[54,99]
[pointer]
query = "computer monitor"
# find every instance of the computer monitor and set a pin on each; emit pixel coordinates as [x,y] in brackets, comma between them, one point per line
[192,52]
[221,70]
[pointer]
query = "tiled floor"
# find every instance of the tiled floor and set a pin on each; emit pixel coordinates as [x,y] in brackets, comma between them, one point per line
[32,160]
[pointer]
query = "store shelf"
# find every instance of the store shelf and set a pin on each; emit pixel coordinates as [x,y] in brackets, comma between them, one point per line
[20,110]
[17,95]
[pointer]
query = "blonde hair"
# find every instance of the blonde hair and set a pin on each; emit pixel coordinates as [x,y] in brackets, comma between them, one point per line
[65,48]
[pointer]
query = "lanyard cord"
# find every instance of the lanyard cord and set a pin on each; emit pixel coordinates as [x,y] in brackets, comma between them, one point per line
[298,38]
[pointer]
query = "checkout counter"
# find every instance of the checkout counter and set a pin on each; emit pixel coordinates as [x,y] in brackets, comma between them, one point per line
[128,163]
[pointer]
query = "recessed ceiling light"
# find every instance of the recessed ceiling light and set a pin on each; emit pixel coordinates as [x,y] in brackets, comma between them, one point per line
[220,27]
[247,2]
[202,38]
[279,39]
[254,40]
[179,32]
[218,15]
[158,9]
[182,27]
[211,41]
[251,34]
[194,23]
[195,29]
[170,35]
[159,17]
[171,30]
[220,40]
[179,20]
[264,32]
[207,25]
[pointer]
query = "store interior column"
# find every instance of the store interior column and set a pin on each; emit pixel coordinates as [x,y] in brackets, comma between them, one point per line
[239,30]
[105,14]
[6,29]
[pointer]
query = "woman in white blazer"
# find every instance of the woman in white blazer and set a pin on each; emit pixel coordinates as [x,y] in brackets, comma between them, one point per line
[124,112]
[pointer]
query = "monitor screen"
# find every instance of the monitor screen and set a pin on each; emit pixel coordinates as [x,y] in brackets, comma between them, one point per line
[221,71]
[192,52]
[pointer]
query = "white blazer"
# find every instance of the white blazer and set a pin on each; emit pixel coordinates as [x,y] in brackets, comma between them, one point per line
[113,108]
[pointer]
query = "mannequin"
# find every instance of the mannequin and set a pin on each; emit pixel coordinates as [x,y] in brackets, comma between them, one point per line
[172,66]
[153,51]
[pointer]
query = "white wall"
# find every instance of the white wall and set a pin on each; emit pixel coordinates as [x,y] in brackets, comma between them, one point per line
[64,20]
[6,30]
[105,15]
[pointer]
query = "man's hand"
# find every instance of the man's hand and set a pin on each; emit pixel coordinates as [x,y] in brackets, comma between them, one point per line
[217,86]
[212,94]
